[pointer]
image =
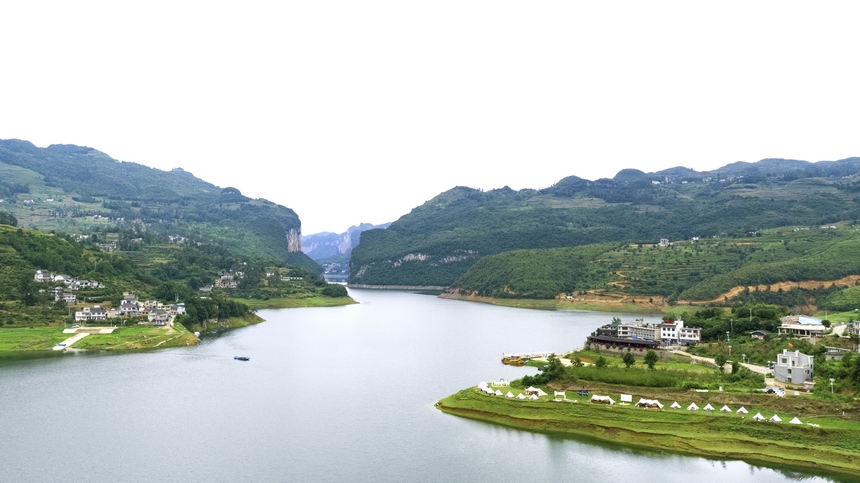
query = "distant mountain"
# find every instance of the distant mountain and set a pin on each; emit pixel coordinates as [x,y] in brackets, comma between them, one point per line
[437,242]
[78,189]
[332,250]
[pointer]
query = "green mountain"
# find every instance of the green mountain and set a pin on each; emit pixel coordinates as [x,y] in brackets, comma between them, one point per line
[438,242]
[75,189]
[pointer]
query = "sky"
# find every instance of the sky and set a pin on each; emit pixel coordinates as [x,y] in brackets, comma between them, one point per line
[360,111]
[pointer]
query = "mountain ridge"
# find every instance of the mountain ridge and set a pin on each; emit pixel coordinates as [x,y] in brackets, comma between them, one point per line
[438,241]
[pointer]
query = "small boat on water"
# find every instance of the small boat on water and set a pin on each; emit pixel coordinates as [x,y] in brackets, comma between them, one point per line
[242,358]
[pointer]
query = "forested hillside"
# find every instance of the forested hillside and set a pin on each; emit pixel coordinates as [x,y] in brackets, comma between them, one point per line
[150,266]
[74,189]
[438,242]
[755,269]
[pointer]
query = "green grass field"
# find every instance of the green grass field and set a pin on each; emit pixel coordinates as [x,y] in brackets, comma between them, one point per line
[30,338]
[138,337]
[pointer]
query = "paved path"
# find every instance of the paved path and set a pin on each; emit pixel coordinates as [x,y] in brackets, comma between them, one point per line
[728,367]
[71,340]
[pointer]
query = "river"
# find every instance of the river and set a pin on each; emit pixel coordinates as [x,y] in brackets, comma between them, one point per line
[329,394]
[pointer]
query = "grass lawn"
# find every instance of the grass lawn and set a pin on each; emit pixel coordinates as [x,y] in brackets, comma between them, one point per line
[30,338]
[138,337]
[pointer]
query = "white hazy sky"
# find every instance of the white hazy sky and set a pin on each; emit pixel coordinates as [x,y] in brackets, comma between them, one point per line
[359,111]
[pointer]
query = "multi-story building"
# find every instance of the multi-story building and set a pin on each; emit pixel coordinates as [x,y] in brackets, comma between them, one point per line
[793,367]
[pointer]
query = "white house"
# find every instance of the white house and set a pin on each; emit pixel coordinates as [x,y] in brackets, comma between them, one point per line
[675,333]
[793,367]
[44,276]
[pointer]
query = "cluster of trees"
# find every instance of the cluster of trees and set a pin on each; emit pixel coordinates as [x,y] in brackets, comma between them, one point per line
[701,270]
[8,219]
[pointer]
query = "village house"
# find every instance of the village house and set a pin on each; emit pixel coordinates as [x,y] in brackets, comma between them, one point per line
[159,317]
[128,308]
[801,326]
[226,283]
[91,313]
[793,367]
[44,276]
[759,334]
[68,298]
[835,353]
[673,333]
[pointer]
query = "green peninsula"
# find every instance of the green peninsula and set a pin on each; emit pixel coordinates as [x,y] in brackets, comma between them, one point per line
[825,442]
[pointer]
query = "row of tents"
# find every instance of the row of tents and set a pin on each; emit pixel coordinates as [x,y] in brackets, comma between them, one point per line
[534,393]
[655,404]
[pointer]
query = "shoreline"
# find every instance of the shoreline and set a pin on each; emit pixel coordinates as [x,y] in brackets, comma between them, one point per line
[593,304]
[432,288]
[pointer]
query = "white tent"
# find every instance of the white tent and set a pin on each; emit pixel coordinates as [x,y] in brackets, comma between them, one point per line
[521,397]
[708,407]
[531,390]
[725,409]
[692,407]
[488,390]
[509,394]
[602,399]
[482,385]
[795,421]
[743,410]
[533,397]
[675,405]
[758,417]
[775,419]
[540,392]
[649,403]
[498,393]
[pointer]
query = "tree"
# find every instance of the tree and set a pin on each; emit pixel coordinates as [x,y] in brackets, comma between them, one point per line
[720,360]
[577,362]
[628,359]
[334,290]
[735,367]
[600,362]
[651,359]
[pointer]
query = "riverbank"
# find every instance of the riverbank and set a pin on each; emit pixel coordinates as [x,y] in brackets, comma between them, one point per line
[830,447]
[423,288]
[592,303]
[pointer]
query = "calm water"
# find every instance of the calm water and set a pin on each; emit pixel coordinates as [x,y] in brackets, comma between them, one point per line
[334,394]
